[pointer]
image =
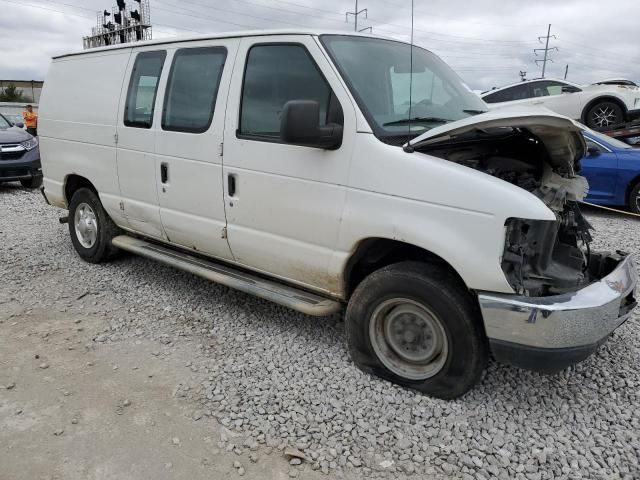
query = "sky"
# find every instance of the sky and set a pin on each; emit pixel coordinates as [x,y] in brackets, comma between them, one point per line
[487,42]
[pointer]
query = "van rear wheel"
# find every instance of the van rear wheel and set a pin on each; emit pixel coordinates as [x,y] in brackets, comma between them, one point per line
[416,324]
[90,227]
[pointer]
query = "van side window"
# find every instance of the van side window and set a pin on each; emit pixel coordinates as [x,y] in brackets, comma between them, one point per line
[143,88]
[274,75]
[192,88]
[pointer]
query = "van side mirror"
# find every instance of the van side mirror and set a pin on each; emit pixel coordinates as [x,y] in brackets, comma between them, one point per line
[593,150]
[300,125]
[19,124]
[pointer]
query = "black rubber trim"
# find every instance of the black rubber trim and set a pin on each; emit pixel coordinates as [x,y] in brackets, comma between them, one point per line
[545,360]
[44,195]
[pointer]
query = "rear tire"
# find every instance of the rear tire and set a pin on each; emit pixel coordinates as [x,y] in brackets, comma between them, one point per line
[634,199]
[33,182]
[90,227]
[604,115]
[417,325]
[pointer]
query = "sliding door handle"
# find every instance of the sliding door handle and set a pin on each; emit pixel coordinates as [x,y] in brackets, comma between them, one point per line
[164,172]
[231,185]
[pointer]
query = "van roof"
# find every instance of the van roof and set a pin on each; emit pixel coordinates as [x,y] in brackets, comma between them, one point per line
[214,36]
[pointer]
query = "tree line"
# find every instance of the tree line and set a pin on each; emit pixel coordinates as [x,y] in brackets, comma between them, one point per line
[12,94]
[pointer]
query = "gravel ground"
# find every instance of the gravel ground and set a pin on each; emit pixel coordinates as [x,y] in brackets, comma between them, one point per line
[281,379]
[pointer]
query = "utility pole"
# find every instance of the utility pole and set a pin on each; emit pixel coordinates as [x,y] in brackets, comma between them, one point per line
[355,14]
[566,71]
[545,50]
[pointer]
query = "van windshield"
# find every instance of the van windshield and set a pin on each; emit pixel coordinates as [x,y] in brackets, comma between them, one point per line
[4,123]
[378,73]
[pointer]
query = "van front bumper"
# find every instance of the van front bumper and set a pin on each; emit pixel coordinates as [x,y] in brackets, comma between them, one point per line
[551,333]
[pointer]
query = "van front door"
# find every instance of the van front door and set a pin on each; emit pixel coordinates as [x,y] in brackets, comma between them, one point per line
[284,202]
[188,146]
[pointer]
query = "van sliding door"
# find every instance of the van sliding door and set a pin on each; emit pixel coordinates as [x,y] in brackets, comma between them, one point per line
[188,146]
[136,129]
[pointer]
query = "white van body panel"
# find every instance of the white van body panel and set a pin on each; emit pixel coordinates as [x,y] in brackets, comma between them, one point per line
[450,210]
[77,125]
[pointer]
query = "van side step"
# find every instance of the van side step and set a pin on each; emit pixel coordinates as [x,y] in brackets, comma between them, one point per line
[300,300]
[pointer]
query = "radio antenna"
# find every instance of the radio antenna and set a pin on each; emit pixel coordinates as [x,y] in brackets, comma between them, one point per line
[409,148]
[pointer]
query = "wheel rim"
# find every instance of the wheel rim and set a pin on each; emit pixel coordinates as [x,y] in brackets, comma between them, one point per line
[408,338]
[638,201]
[86,225]
[604,117]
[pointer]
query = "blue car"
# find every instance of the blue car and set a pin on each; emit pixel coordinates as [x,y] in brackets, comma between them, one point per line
[613,171]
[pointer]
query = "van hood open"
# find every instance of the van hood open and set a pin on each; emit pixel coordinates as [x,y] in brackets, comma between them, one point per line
[534,149]
[560,135]
[540,152]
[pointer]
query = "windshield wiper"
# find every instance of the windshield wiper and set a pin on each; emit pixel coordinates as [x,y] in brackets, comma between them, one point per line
[473,111]
[406,121]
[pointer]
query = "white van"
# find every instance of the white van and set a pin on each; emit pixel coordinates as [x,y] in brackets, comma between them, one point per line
[300,167]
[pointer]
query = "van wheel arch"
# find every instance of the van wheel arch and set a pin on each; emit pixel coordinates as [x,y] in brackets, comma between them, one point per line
[372,254]
[605,98]
[73,183]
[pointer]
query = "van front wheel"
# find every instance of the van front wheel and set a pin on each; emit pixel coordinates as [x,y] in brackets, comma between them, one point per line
[415,324]
[90,227]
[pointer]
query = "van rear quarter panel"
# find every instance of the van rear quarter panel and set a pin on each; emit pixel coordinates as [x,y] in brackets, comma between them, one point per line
[77,124]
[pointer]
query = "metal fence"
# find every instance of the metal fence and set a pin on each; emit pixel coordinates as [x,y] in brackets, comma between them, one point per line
[11,108]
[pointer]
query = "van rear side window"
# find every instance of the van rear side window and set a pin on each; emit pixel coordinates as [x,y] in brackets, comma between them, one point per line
[143,88]
[190,98]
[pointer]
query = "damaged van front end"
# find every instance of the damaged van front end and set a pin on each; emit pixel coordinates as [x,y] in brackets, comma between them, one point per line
[567,299]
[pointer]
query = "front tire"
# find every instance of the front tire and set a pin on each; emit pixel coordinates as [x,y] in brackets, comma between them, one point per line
[416,324]
[634,199]
[90,227]
[33,182]
[604,115]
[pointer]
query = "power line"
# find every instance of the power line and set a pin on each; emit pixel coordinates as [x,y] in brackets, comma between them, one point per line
[198,15]
[356,13]
[545,49]
[427,34]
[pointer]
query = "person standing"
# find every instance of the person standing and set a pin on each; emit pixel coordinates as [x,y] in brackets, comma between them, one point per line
[31,120]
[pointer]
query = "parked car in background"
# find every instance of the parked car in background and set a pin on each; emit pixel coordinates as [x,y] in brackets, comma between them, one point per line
[598,106]
[19,156]
[612,168]
[15,119]
[616,81]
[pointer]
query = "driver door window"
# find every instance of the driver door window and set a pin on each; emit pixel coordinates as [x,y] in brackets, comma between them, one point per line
[274,75]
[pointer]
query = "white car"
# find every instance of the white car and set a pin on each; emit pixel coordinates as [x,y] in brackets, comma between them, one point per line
[599,106]
[290,166]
